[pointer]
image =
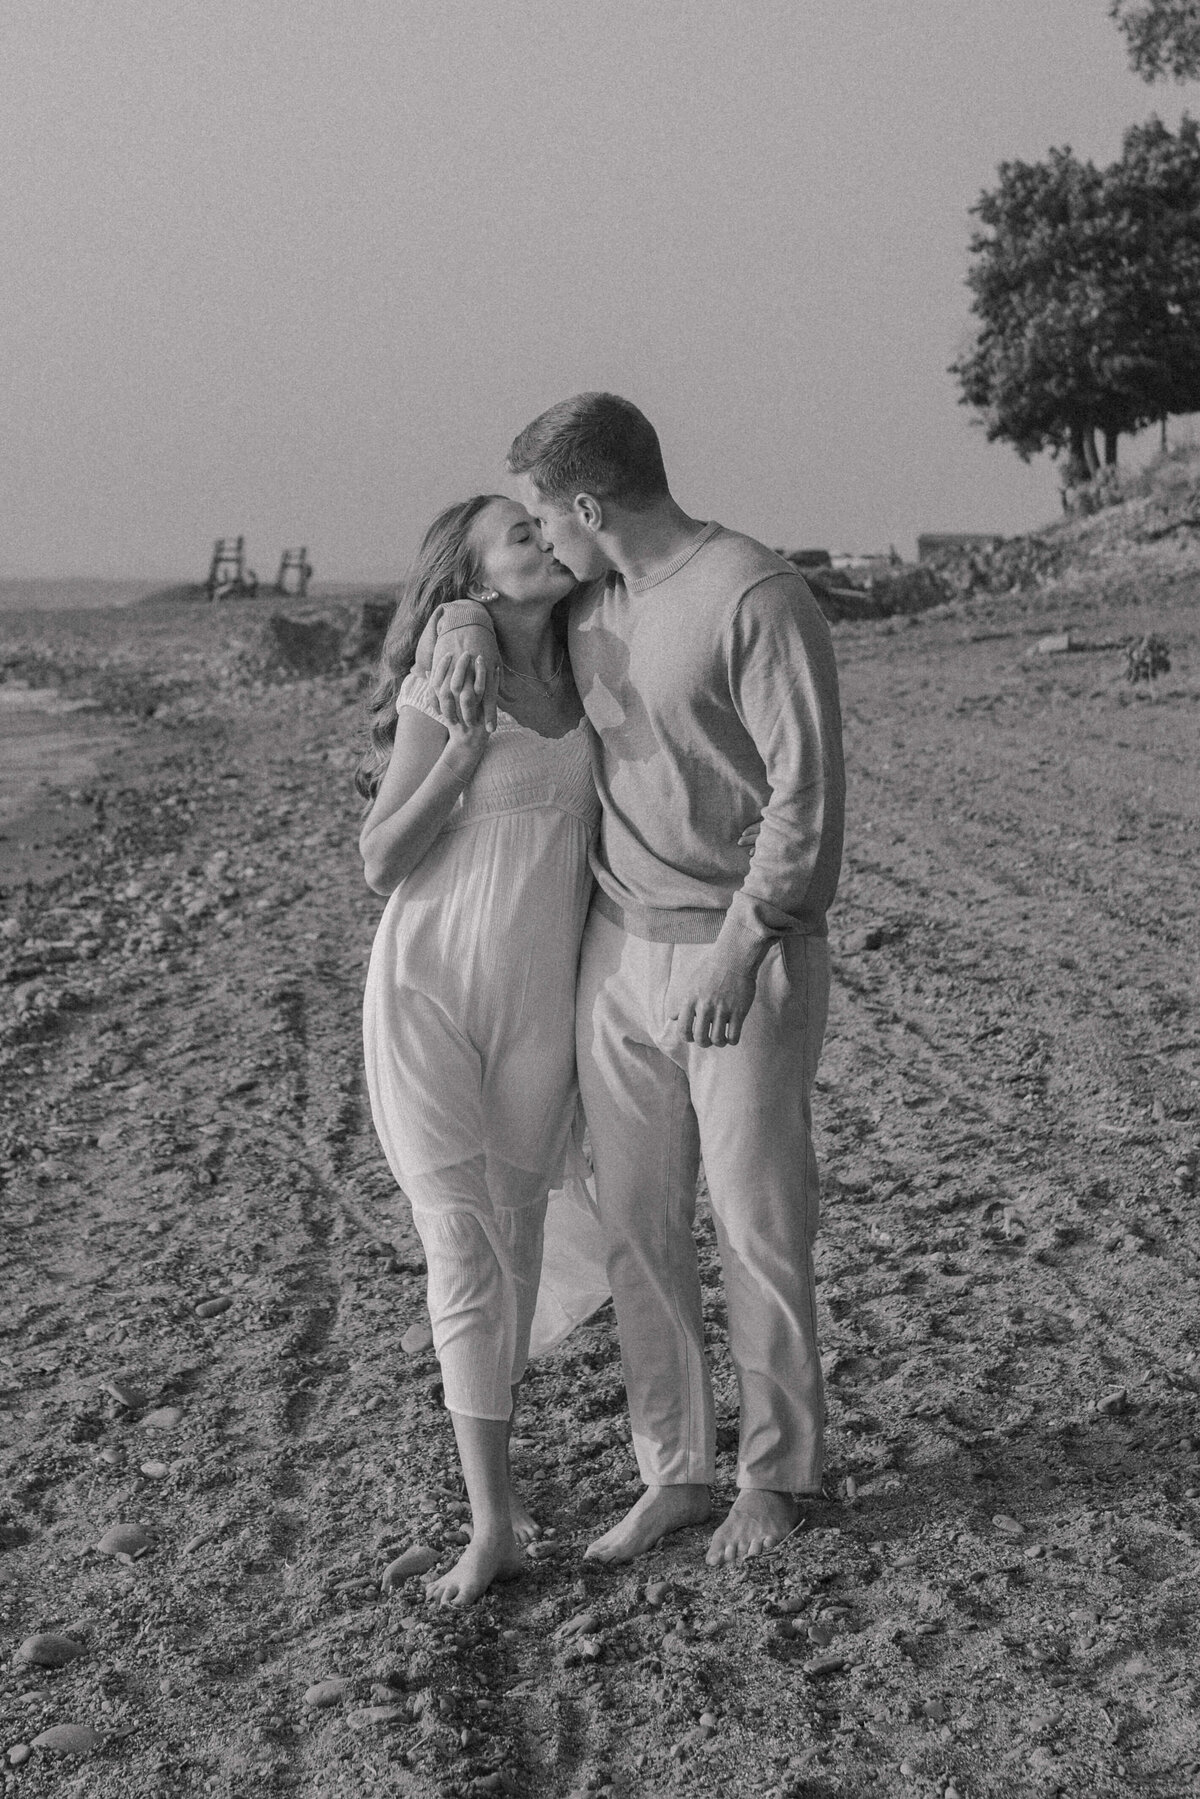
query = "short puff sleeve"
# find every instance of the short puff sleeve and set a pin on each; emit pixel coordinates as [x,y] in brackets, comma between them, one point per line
[418,691]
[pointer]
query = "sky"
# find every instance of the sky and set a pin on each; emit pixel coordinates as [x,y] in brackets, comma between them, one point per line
[301,269]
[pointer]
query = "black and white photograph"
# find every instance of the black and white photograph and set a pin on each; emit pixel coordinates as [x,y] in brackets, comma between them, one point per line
[599,921]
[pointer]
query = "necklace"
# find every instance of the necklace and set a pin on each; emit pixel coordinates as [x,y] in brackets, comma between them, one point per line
[546,686]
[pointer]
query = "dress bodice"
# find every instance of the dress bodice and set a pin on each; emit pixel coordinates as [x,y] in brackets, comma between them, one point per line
[520,769]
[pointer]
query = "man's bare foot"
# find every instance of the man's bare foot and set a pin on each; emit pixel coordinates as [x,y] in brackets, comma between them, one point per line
[526,1528]
[495,1556]
[658,1512]
[758,1520]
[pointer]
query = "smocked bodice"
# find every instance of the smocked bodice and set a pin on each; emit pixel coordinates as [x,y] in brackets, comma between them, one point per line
[519,768]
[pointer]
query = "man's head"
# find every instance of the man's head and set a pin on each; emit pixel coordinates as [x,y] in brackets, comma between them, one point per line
[581,464]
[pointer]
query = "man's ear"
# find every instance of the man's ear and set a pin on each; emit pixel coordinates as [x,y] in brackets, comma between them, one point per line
[589,512]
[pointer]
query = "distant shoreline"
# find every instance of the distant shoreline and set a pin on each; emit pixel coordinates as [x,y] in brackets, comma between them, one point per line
[76,594]
[83,593]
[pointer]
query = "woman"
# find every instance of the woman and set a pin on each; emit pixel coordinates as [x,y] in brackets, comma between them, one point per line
[482,842]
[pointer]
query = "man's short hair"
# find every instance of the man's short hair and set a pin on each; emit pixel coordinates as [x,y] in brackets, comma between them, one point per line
[593,443]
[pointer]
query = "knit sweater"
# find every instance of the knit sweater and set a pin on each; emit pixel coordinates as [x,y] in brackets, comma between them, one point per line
[712,694]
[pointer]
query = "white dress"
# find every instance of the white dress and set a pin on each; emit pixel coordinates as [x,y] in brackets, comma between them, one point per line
[469,1038]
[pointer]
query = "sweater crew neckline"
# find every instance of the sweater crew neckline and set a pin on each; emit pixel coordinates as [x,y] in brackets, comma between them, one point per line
[676,563]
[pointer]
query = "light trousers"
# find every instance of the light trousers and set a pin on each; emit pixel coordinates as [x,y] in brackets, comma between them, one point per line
[655,1104]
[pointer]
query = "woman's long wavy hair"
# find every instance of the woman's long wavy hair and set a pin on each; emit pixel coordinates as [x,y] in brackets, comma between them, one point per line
[444,567]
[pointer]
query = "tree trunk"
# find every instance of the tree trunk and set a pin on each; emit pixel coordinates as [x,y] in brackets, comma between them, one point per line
[1110,448]
[1090,455]
[1076,472]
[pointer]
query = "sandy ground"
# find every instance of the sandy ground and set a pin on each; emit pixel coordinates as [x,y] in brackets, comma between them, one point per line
[208,1274]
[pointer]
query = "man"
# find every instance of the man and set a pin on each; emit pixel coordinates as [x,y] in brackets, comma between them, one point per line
[707,673]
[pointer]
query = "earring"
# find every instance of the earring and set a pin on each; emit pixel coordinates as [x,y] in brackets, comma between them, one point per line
[491,594]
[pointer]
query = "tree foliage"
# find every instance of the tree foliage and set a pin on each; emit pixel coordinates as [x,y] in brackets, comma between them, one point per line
[1086,286]
[1163,36]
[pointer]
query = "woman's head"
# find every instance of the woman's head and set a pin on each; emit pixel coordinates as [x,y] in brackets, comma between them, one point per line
[514,567]
[486,548]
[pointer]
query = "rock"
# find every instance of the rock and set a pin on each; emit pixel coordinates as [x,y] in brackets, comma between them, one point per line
[1008,1527]
[69,1739]
[212,1308]
[364,640]
[19,1753]
[163,1418]
[305,646]
[656,1591]
[374,1717]
[417,1337]
[821,1665]
[583,1624]
[821,1635]
[419,1559]
[936,1710]
[871,938]
[1113,1404]
[125,1539]
[1057,644]
[326,1692]
[49,1650]
[124,1392]
[155,1470]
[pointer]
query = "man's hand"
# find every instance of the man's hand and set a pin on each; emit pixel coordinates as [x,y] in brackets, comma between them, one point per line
[441,646]
[711,1007]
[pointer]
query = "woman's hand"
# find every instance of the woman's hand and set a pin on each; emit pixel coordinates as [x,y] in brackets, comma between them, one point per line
[460,695]
[749,836]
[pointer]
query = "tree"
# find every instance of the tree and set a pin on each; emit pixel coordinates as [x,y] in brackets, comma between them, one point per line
[1086,283]
[1163,36]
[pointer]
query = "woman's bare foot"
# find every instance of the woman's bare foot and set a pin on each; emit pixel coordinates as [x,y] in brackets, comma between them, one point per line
[526,1528]
[758,1520]
[658,1512]
[486,1558]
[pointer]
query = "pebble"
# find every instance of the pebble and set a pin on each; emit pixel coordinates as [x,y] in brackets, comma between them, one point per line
[155,1470]
[656,1591]
[163,1418]
[49,1650]
[212,1308]
[124,1392]
[417,1337]
[821,1635]
[937,1710]
[1113,1404]
[327,1692]
[69,1739]
[583,1624]
[20,1752]
[124,1539]
[417,1560]
[858,941]
[373,1717]
[1010,1527]
[824,1664]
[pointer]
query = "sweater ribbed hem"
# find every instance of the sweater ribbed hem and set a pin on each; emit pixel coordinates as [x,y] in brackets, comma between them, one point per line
[653,924]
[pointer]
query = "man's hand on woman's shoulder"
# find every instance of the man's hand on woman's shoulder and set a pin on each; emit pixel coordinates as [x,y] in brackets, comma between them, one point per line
[461,628]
